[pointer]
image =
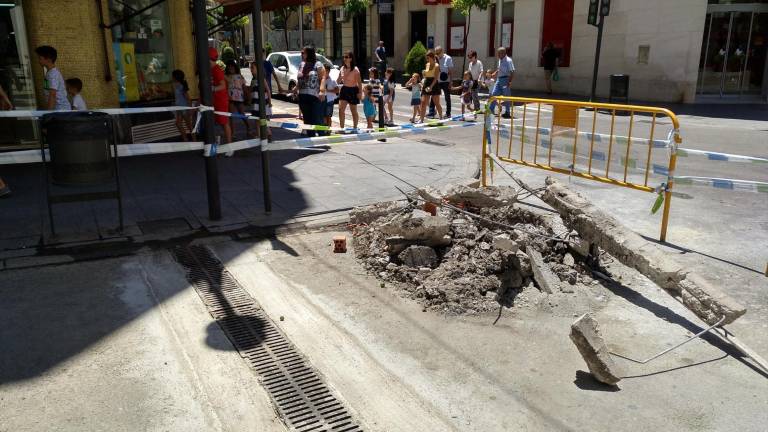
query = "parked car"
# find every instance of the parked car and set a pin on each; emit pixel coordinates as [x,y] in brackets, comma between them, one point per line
[286,65]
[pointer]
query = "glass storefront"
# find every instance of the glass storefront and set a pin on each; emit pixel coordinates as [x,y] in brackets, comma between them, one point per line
[16,75]
[143,51]
[733,54]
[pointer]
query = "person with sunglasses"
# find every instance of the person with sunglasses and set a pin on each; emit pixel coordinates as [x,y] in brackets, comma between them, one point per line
[351,89]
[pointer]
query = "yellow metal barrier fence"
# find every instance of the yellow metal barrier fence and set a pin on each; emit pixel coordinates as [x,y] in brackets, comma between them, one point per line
[530,117]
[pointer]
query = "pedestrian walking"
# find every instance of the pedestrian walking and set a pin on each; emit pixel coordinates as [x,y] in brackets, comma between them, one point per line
[5,104]
[369,108]
[503,76]
[74,86]
[254,97]
[431,88]
[351,88]
[220,94]
[381,52]
[331,93]
[54,88]
[551,59]
[269,72]
[311,89]
[478,74]
[414,85]
[237,95]
[389,95]
[445,62]
[466,92]
[181,98]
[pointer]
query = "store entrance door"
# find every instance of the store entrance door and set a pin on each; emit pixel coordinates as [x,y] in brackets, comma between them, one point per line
[733,56]
[418,27]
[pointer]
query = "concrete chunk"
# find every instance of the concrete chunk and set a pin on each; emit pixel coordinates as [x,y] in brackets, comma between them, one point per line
[542,274]
[368,214]
[419,257]
[597,227]
[504,242]
[586,335]
[419,227]
[489,196]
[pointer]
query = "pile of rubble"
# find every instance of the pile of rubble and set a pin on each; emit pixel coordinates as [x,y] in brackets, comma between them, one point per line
[470,255]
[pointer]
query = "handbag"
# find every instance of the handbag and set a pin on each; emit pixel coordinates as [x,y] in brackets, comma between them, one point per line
[556,75]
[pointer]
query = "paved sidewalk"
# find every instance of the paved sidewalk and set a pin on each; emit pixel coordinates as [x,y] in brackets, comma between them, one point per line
[168,192]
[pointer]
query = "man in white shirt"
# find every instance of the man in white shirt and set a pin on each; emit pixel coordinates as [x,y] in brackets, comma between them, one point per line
[503,74]
[445,62]
[476,70]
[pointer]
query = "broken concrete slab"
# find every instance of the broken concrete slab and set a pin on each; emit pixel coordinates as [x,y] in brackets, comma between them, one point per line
[542,274]
[369,213]
[707,301]
[504,242]
[419,257]
[595,226]
[421,227]
[489,196]
[586,335]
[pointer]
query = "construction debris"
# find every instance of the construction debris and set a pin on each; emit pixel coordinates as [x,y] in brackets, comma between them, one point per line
[586,335]
[595,226]
[473,254]
[340,244]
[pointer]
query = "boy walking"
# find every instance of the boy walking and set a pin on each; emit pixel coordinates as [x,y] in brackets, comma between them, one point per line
[54,89]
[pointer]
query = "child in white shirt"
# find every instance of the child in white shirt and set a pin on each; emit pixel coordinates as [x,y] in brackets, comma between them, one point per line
[74,87]
[414,84]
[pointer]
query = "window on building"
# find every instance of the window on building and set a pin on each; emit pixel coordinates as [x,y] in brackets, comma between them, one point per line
[558,28]
[507,28]
[143,50]
[455,37]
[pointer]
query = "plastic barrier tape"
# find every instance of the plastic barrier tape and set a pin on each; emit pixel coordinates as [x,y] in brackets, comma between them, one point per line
[599,138]
[719,183]
[723,157]
[112,111]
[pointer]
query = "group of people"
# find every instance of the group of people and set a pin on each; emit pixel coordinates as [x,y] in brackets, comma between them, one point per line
[58,93]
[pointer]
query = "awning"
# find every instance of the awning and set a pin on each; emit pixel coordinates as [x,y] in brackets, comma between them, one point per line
[245,7]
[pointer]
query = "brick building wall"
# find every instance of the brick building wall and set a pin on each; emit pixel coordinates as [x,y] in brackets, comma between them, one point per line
[72,27]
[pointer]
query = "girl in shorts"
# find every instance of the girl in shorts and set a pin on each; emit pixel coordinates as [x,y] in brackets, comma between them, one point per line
[181,98]
[431,89]
[369,109]
[414,85]
[351,88]
[389,95]
[237,92]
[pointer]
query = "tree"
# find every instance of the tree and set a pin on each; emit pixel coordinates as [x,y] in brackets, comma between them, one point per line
[415,61]
[465,8]
[354,7]
[281,16]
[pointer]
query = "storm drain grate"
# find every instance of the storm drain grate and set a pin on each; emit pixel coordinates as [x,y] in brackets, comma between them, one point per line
[303,400]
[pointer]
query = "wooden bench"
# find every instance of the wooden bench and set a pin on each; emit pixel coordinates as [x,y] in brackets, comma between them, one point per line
[156,131]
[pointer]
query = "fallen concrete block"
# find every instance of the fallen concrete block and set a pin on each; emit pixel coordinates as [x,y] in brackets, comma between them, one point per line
[709,302]
[420,227]
[368,214]
[597,227]
[504,242]
[418,257]
[489,196]
[542,274]
[585,334]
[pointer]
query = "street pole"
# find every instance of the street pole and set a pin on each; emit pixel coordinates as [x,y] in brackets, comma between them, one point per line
[206,98]
[499,15]
[597,57]
[301,27]
[258,53]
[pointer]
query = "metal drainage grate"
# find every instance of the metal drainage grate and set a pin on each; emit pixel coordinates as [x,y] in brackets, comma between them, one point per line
[303,400]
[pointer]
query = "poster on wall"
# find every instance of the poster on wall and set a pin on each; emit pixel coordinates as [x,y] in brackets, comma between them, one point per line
[125,67]
[506,35]
[457,38]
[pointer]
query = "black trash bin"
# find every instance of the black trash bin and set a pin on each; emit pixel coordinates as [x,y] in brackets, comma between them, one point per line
[79,145]
[619,88]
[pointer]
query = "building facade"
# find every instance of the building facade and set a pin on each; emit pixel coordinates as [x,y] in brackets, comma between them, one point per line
[673,51]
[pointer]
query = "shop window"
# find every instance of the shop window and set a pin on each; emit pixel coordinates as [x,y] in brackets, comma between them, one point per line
[143,50]
[558,28]
[455,37]
[507,28]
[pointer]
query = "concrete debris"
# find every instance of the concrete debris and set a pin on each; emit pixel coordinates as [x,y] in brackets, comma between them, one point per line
[491,196]
[595,226]
[547,281]
[418,257]
[456,264]
[504,242]
[586,335]
[367,214]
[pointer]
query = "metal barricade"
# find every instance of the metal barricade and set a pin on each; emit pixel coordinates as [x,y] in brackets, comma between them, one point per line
[529,138]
